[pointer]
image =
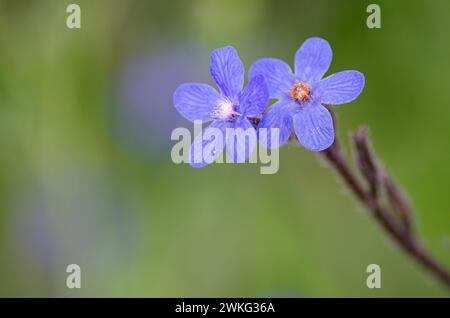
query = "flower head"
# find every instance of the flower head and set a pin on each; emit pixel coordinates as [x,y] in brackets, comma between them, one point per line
[302,96]
[230,108]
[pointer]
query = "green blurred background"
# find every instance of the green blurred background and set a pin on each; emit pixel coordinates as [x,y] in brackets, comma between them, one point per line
[85,169]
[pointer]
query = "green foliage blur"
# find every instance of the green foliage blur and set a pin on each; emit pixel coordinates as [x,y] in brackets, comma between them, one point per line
[86,177]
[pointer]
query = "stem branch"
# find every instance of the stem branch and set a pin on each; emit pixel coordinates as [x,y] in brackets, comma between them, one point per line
[394,216]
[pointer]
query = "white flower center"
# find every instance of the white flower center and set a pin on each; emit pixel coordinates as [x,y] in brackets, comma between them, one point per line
[224,110]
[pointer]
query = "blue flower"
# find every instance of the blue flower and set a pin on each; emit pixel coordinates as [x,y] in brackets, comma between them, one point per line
[230,108]
[302,96]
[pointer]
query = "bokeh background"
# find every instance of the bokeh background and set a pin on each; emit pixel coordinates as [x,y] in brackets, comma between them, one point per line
[86,175]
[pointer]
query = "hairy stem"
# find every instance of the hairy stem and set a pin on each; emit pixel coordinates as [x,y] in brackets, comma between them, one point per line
[394,215]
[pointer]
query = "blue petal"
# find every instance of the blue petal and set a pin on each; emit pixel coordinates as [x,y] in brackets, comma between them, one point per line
[255,97]
[195,101]
[241,140]
[278,116]
[227,71]
[312,60]
[313,125]
[278,76]
[340,88]
[208,145]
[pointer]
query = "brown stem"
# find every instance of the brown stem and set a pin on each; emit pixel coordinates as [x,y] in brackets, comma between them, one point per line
[398,229]
[377,179]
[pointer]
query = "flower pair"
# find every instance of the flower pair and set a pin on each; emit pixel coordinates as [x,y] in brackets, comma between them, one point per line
[300,106]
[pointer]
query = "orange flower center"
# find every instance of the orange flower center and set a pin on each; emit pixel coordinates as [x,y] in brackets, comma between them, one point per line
[301,91]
